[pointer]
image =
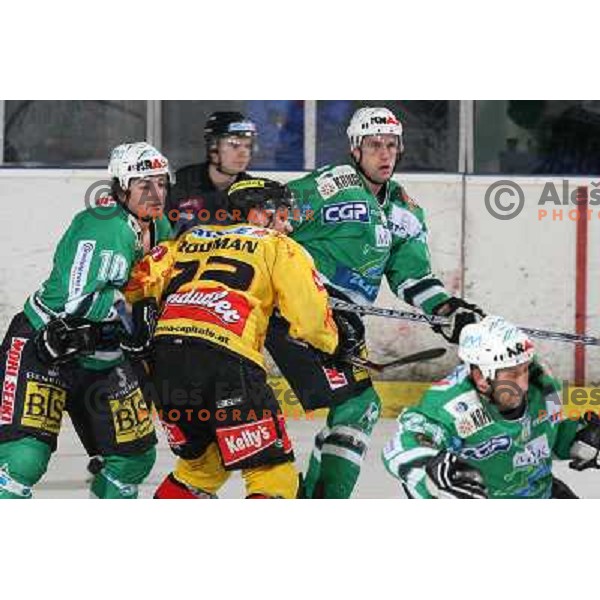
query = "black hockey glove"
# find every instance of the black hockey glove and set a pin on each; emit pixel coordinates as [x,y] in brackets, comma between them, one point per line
[351,334]
[460,313]
[448,476]
[64,339]
[586,447]
[137,343]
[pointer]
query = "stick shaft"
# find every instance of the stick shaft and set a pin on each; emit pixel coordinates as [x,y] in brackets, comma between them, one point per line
[390,313]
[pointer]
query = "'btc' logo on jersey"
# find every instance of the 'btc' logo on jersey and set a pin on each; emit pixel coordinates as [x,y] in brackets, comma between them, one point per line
[357,212]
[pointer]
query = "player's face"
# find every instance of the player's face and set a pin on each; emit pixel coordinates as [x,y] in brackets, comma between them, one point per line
[510,387]
[147,196]
[279,220]
[377,155]
[235,153]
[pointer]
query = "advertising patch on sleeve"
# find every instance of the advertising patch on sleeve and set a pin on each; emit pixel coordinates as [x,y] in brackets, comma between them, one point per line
[335,378]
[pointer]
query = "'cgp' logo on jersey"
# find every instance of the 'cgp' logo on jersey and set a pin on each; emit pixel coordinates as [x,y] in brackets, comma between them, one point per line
[357,212]
[499,443]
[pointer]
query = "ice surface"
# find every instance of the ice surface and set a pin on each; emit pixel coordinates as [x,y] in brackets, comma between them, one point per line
[67,471]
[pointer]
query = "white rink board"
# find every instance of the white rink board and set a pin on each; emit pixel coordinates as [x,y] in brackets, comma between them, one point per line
[42,202]
[36,207]
[593,308]
[441,198]
[522,269]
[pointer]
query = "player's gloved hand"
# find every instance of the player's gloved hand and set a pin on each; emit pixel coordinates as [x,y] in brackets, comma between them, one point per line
[351,334]
[65,338]
[586,447]
[449,476]
[460,313]
[137,344]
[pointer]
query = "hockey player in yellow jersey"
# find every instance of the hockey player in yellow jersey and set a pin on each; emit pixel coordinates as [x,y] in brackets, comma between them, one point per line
[216,288]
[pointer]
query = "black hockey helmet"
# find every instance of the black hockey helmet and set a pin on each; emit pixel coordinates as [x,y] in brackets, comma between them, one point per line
[261,194]
[225,123]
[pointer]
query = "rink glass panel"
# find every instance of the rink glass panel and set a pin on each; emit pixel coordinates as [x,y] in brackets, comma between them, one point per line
[69,133]
[520,137]
[280,124]
[430,132]
[537,137]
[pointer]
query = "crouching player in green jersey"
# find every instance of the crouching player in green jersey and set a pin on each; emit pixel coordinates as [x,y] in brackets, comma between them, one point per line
[493,427]
[65,351]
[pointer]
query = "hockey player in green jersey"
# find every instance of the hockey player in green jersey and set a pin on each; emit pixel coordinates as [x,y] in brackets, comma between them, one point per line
[64,352]
[359,226]
[492,428]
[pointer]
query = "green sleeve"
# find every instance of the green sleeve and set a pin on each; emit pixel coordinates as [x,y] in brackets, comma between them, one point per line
[421,434]
[91,264]
[565,428]
[565,437]
[408,269]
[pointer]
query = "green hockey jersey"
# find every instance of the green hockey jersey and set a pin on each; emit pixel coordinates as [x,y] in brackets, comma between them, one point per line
[91,263]
[356,239]
[513,456]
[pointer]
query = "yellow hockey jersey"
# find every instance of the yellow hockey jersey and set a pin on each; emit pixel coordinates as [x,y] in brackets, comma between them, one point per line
[221,283]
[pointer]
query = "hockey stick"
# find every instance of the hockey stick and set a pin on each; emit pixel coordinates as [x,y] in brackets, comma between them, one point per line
[399,362]
[390,313]
[127,323]
[124,315]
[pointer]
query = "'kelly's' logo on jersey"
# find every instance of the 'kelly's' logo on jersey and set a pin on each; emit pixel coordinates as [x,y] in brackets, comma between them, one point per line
[357,212]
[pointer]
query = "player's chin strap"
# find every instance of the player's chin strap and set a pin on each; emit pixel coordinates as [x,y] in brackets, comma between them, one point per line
[125,205]
[390,313]
[364,174]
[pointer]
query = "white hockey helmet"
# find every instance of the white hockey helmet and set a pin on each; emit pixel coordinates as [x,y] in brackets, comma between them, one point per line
[373,121]
[493,343]
[140,159]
